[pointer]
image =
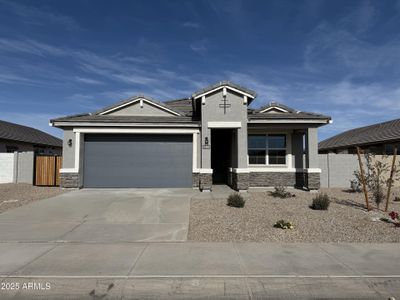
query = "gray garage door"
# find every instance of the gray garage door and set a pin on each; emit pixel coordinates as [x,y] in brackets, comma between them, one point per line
[131,160]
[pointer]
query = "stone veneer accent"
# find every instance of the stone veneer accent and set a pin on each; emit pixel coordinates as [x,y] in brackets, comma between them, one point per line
[313,181]
[69,180]
[202,181]
[239,181]
[272,178]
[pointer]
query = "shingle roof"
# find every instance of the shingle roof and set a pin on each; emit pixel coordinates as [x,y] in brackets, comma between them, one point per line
[185,108]
[20,133]
[125,119]
[224,83]
[290,114]
[115,105]
[381,132]
[183,105]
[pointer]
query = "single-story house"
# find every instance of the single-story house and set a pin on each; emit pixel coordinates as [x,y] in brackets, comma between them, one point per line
[375,139]
[15,137]
[212,137]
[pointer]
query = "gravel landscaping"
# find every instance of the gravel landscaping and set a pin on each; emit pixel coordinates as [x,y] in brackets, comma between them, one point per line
[346,220]
[14,195]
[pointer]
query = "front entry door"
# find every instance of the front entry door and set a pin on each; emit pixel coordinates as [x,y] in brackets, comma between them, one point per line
[221,153]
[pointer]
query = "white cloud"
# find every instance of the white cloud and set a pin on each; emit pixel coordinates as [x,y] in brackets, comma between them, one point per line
[88,80]
[191,25]
[360,19]
[199,47]
[42,17]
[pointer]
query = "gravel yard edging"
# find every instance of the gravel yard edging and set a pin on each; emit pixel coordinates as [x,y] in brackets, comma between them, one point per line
[14,195]
[346,220]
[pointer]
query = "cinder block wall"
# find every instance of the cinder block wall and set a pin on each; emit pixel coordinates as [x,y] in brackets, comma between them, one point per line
[6,167]
[25,165]
[17,167]
[337,169]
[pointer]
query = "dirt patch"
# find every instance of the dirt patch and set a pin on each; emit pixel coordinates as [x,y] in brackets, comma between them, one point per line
[14,195]
[346,220]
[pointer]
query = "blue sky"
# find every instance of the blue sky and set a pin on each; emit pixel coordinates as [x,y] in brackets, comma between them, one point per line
[340,58]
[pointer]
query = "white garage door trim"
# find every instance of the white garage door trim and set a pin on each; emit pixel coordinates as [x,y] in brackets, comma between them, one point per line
[79,141]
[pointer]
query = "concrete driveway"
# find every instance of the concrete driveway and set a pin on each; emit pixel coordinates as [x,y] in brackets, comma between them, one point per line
[102,215]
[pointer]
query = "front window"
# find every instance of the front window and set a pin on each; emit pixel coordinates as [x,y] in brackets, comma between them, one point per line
[267,149]
[277,149]
[257,149]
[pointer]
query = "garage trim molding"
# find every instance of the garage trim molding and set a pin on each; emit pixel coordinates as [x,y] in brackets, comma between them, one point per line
[80,131]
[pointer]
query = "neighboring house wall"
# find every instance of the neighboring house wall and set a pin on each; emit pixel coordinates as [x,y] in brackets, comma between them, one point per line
[19,145]
[6,167]
[24,147]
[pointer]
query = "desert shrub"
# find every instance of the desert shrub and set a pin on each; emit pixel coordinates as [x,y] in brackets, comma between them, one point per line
[320,202]
[378,196]
[376,176]
[280,192]
[236,200]
[283,224]
[355,185]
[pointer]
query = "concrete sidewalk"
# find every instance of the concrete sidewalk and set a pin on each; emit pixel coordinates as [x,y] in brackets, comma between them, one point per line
[197,270]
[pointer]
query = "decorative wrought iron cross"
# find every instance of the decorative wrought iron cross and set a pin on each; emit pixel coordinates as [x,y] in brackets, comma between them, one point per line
[225,105]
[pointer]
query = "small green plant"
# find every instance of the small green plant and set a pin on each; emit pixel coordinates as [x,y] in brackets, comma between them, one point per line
[280,192]
[236,200]
[282,224]
[320,202]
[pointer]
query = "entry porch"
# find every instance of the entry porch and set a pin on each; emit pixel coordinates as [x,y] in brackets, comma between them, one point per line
[266,156]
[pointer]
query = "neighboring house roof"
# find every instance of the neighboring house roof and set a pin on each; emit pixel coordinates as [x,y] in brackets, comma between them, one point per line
[382,132]
[20,133]
[275,110]
[222,84]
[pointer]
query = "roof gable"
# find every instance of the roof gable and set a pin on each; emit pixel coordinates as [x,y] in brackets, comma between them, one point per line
[139,105]
[278,111]
[225,85]
[275,107]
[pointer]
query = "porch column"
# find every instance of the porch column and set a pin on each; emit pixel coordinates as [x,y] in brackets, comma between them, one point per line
[242,147]
[312,172]
[240,174]
[298,153]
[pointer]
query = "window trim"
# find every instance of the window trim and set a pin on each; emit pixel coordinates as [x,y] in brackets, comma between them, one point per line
[267,164]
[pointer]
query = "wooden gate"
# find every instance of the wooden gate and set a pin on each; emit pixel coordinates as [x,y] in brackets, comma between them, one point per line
[47,170]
